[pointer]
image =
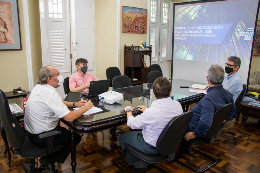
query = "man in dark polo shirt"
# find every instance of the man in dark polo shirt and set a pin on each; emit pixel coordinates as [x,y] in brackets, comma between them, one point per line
[204,111]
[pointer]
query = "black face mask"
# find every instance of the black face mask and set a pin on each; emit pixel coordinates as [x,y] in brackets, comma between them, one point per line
[228,69]
[84,69]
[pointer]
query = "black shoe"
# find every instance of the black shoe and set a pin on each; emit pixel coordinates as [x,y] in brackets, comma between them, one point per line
[47,165]
[138,170]
[140,164]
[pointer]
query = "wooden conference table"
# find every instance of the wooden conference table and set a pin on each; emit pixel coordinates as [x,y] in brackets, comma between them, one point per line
[113,115]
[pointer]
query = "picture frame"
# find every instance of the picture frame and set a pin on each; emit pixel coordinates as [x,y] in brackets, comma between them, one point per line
[256,48]
[10,37]
[134,20]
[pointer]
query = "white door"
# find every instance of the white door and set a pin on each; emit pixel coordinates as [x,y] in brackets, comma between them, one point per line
[83,32]
[55,37]
[159,35]
[67,28]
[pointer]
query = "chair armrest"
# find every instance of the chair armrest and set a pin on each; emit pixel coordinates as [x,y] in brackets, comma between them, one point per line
[49,134]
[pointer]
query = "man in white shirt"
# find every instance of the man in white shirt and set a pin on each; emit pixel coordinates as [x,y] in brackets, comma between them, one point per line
[152,121]
[44,109]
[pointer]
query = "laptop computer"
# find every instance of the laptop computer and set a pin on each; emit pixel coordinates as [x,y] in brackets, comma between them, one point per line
[73,97]
[97,87]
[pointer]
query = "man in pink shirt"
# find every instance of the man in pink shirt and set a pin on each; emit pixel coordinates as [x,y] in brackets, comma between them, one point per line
[80,81]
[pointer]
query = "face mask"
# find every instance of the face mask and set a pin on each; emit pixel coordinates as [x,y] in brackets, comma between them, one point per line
[60,78]
[84,69]
[228,69]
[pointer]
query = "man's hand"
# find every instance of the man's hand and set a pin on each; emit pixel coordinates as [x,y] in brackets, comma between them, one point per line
[128,107]
[89,105]
[224,121]
[80,103]
[129,114]
[141,108]
[190,135]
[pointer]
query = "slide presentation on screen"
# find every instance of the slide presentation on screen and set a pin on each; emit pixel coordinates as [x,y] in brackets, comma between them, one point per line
[208,33]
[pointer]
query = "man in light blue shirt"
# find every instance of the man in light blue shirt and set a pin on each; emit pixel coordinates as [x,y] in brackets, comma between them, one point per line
[152,121]
[233,82]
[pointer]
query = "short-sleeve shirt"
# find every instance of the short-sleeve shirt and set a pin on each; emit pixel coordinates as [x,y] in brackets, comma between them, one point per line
[43,109]
[77,80]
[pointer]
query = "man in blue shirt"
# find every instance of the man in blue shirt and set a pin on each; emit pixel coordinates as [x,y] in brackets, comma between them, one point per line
[204,111]
[233,82]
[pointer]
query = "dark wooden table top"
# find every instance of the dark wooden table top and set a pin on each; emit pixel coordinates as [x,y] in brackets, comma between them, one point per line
[11,94]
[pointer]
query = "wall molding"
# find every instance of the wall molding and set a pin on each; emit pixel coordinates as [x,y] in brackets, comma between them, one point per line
[28,44]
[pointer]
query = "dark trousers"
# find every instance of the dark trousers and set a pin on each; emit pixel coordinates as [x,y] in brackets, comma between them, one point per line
[136,140]
[64,138]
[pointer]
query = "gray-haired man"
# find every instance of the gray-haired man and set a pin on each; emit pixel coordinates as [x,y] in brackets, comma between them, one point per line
[203,112]
[44,109]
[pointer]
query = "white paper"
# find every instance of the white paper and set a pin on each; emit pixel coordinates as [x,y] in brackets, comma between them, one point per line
[90,111]
[14,108]
[199,86]
[198,91]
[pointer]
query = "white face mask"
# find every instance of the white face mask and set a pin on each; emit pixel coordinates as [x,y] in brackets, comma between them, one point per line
[60,78]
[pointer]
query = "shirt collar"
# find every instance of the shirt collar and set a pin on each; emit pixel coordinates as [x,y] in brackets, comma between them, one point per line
[233,75]
[48,86]
[219,87]
[161,101]
[80,74]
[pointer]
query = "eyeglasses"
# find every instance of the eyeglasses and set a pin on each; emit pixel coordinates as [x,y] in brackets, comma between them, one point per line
[226,64]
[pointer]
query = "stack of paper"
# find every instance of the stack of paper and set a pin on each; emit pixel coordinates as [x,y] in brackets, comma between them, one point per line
[90,111]
[199,86]
[15,109]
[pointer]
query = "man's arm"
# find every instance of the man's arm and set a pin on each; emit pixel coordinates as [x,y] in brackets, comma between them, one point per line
[73,84]
[206,119]
[77,104]
[81,88]
[77,113]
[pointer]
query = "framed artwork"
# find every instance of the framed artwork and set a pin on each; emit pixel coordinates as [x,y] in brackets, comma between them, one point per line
[9,26]
[256,48]
[134,20]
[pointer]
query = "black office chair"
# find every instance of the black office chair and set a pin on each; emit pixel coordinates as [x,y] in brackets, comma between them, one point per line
[121,81]
[238,101]
[153,75]
[218,119]
[167,143]
[66,85]
[156,67]
[111,73]
[20,142]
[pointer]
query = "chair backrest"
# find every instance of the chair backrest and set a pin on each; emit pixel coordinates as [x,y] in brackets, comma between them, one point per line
[171,136]
[240,97]
[218,119]
[66,85]
[121,81]
[111,73]
[156,67]
[14,132]
[153,75]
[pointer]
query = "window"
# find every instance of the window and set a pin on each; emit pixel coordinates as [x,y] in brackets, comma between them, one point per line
[55,8]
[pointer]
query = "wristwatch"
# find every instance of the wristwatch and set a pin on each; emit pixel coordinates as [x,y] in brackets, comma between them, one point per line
[128,110]
[74,104]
